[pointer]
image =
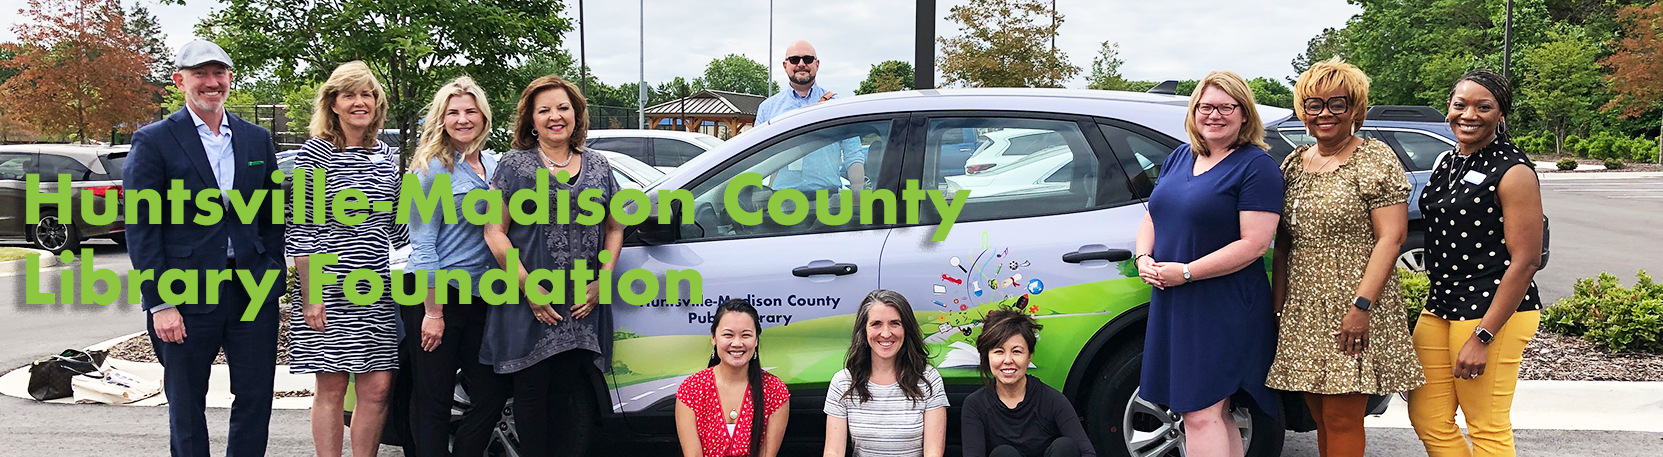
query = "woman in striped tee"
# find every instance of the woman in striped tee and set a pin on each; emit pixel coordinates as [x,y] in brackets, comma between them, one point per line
[887,397]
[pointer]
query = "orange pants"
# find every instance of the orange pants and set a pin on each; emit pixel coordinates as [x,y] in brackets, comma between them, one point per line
[1485,401]
[1339,421]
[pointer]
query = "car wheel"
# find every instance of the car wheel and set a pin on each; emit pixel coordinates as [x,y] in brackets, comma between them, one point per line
[52,234]
[1413,255]
[1132,427]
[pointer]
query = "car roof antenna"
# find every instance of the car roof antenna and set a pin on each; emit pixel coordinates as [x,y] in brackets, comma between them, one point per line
[1168,87]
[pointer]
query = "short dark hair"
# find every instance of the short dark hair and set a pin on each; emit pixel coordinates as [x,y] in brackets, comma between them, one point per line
[999,326]
[1499,87]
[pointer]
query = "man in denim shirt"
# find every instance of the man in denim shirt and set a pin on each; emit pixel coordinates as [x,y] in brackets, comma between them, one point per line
[823,168]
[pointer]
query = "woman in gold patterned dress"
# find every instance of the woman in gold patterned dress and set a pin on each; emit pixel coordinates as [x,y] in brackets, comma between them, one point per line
[1343,334]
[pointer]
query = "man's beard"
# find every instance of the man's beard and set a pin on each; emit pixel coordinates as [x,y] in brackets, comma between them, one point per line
[804,81]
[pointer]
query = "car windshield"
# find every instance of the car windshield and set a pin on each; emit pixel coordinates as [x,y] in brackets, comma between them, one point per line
[710,141]
[639,169]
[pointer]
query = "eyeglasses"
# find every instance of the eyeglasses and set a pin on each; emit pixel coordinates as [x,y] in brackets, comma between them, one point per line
[1225,109]
[803,60]
[1336,106]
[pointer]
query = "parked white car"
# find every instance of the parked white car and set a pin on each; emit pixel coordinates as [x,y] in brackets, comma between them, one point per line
[665,149]
[1008,145]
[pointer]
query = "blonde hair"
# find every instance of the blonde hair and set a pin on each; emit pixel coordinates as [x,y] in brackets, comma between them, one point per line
[1252,129]
[435,140]
[525,134]
[1327,75]
[350,76]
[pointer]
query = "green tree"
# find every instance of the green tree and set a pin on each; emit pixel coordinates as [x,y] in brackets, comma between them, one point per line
[1414,49]
[140,23]
[737,73]
[1271,92]
[1560,82]
[411,45]
[1105,69]
[1331,42]
[887,76]
[1004,43]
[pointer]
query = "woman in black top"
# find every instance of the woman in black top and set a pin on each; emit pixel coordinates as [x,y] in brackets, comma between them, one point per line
[1016,414]
[1484,213]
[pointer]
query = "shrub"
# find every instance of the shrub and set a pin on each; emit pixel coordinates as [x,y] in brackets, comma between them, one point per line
[1614,317]
[1573,143]
[1614,164]
[1415,286]
[1566,164]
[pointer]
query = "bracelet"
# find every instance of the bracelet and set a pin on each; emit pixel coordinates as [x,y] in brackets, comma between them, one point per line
[430,316]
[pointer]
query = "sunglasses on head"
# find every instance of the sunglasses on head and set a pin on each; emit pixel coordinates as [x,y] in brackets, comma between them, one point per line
[800,60]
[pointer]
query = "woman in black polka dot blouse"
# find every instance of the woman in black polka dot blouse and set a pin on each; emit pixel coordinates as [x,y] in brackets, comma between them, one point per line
[1484,213]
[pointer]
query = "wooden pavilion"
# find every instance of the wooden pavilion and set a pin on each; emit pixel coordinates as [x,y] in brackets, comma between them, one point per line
[718,113]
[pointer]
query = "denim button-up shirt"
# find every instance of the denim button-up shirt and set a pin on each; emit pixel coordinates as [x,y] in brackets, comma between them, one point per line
[821,169]
[435,245]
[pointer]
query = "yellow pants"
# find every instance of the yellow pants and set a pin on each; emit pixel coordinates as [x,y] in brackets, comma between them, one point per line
[1486,401]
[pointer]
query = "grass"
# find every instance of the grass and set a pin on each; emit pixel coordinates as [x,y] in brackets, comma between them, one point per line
[10,254]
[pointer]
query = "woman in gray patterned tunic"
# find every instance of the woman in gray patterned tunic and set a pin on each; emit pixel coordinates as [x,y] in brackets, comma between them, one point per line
[553,352]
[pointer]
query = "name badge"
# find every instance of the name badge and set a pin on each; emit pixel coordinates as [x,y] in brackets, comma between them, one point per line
[377,158]
[1474,177]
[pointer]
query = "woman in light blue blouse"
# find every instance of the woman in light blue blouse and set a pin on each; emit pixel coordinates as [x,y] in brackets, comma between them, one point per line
[452,319]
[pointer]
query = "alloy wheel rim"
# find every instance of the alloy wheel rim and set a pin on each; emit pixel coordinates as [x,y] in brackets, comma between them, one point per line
[1151,430]
[50,233]
[1413,259]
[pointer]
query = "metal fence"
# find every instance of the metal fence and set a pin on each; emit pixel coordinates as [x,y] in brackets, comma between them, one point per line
[613,117]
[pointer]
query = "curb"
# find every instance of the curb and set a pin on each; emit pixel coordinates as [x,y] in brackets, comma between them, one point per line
[1601,175]
[12,267]
[16,382]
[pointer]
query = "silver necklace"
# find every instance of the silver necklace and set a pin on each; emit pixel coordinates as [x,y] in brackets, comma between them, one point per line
[552,163]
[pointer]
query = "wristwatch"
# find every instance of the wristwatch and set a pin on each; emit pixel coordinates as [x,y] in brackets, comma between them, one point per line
[1186,272]
[1484,336]
[1362,304]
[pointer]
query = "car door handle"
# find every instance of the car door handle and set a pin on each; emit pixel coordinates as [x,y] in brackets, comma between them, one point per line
[838,269]
[1112,255]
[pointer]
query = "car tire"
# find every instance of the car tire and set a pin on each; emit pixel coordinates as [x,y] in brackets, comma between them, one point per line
[1132,427]
[51,234]
[1413,253]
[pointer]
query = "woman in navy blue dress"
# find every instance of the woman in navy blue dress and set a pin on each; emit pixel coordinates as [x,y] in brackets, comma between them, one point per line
[1211,217]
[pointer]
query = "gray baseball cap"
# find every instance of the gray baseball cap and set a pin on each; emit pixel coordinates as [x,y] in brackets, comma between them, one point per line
[197,53]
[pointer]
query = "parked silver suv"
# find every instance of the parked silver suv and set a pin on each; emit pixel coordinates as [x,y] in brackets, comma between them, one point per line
[91,168]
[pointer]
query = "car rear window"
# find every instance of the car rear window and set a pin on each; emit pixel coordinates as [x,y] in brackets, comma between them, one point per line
[112,164]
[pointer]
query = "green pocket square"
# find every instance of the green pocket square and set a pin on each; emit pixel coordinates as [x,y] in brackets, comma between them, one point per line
[252,163]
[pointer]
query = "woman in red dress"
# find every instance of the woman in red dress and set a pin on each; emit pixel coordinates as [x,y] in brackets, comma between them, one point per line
[733,408]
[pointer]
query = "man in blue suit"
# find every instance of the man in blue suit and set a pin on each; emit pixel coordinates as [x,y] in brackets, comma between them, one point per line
[204,147]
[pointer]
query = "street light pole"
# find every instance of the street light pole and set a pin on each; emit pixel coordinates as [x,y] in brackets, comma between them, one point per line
[923,76]
[641,94]
[582,59]
[1507,46]
[771,64]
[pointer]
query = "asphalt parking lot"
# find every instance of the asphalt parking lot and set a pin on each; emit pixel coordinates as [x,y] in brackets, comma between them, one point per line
[1598,225]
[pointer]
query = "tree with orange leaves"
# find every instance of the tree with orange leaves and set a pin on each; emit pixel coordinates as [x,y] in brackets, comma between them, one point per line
[1637,65]
[78,72]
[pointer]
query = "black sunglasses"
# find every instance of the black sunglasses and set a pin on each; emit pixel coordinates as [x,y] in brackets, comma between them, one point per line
[803,60]
[1336,105]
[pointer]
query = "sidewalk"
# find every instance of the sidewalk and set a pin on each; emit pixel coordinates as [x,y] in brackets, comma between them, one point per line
[16,383]
[1566,405]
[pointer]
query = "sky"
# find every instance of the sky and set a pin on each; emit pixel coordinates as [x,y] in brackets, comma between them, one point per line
[1159,40]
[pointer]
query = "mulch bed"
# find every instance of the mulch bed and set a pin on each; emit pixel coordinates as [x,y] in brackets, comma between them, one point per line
[138,348]
[1628,166]
[1554,357]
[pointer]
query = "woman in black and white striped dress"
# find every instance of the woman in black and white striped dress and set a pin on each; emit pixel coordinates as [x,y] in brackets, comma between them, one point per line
[331,336]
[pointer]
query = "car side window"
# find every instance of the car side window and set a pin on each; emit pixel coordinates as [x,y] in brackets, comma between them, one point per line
[673,153]
[1421,148]
[1141,157]
[833,160]
[53,165]
[17,165]
[633,147]
[1054,169]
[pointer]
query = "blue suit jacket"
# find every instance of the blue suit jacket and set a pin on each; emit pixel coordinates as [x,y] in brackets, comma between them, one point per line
[171,150]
